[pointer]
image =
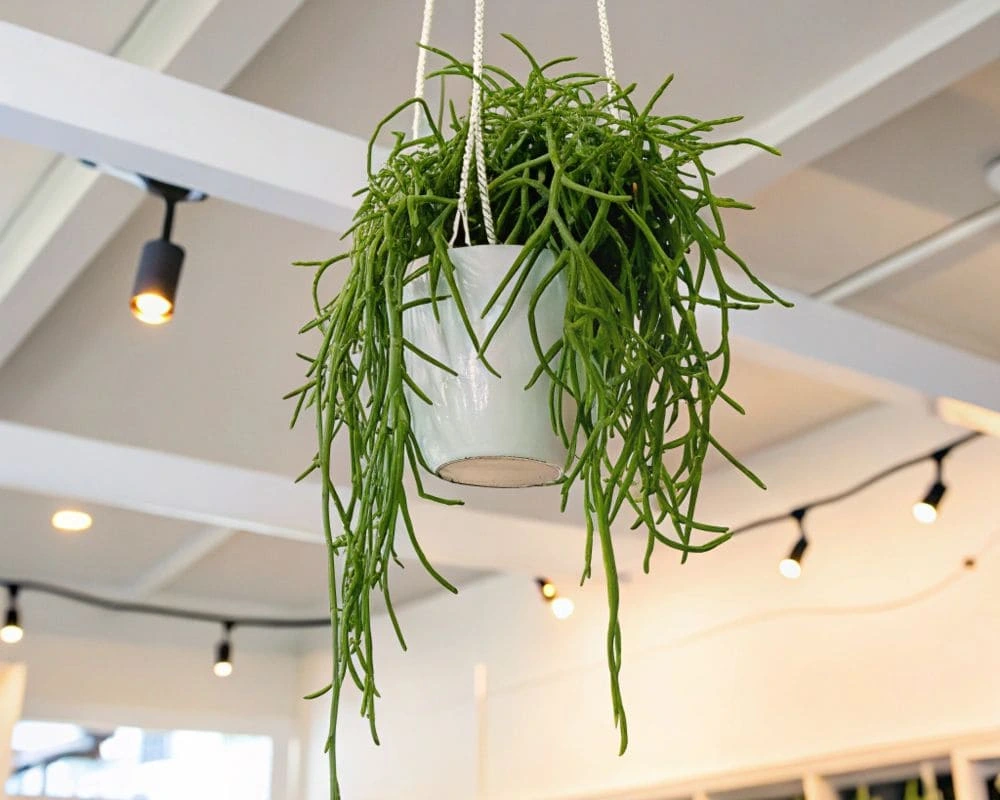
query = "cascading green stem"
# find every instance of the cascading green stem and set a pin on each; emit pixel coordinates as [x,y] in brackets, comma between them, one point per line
[621,199]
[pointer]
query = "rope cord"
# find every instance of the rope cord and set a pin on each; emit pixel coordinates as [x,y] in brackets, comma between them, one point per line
[474,143]
[474,140]
[421,77]
[609,55]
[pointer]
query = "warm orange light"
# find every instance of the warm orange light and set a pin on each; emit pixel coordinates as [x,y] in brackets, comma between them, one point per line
[970,416]
[71,520]
[548,590]
[152,308]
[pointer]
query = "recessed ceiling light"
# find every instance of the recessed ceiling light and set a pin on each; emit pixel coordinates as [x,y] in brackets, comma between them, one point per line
[71,520]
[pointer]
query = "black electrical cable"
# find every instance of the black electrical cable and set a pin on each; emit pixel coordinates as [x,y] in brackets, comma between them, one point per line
[936,454]
[165,611]
[124,606]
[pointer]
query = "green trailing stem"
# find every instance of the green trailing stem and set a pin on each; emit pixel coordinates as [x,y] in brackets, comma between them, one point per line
[622,199]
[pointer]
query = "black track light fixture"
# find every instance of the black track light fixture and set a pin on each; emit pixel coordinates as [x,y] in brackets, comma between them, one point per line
[154,294]
[11,632]
[791,566]
[926,511]
[223,666]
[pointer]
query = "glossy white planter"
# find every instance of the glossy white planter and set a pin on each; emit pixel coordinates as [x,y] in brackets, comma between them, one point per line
[483,430]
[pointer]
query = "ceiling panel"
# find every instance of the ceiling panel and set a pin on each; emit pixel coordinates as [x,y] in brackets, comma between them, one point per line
[729,55]
[97,26]
[208,385]
[952,297]
[121,545]
[21,165]
[287,574]
[903,181]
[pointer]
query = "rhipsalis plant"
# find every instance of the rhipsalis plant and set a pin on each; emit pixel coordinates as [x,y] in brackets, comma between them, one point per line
[619,194]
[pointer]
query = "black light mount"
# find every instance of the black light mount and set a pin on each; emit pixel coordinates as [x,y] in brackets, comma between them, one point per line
[155,289]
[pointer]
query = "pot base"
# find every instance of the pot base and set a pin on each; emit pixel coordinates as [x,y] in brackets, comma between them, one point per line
[500,472]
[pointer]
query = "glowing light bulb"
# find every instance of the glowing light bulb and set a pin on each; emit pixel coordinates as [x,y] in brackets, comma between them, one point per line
[562,607]
[548,590]
[925,513]
[223,669]
[790,568]
[152,308]
[71,520]
[11,633]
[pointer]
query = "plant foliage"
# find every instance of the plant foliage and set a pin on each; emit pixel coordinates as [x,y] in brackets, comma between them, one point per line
[620,195]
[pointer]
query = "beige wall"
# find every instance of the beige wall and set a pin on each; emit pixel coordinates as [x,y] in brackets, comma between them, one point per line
[703,698]
[11,697]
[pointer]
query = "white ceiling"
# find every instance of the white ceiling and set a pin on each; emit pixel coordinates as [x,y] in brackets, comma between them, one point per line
[113,554]
[903,181]
[23,164]
[730,57]
[209,385]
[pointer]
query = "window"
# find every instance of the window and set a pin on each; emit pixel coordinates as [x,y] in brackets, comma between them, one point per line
[59,760]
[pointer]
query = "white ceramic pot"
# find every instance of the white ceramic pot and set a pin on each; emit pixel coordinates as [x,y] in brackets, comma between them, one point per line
[483,430]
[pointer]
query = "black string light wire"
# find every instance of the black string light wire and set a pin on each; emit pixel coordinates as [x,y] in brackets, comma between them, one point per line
[12,631]
[857,488]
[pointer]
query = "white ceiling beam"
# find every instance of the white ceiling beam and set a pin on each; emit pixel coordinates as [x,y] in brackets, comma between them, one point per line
[58,464]
[168,569]
[911,255]
[144,121]
[861,353]
[915,66]
[54,463]
[72,212]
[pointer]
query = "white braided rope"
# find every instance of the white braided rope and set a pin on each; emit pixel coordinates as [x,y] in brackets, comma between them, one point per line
[474,143]
[609,55]
[418,88]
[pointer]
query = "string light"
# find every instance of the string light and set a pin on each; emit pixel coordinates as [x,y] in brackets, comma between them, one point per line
[561,607]
[791,566]
[11,632]
[926,511]
[223,666]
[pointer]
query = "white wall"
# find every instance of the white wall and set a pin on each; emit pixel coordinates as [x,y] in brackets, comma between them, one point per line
[106,683]
[885,639]
[11,696]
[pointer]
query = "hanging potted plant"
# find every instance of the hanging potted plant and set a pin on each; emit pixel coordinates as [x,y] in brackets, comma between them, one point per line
[556,340]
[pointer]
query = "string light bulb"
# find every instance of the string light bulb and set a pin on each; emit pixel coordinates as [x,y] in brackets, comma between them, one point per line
[926,511]
[11,632]
[791,566]
[561,607]
[223,666]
